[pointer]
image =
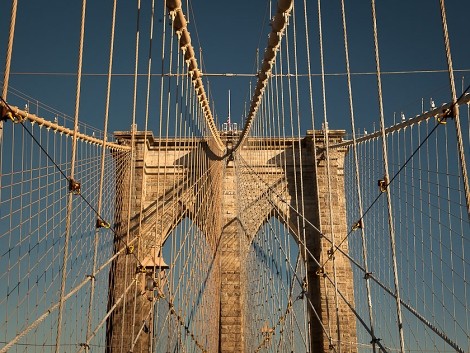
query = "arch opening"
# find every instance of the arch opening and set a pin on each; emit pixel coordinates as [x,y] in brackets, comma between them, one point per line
[276,297]
[186,298]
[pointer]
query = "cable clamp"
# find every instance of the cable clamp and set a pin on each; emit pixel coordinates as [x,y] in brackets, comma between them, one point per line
[141,269]
[368,275]
[357,225]
[375,340]
[382,184]
[330,252]
[129,249]
[289,306]
[102,224]
[442,119]
[8,114]
[74,187]
[320,271]
[90,276]
[85,345]
[304,290]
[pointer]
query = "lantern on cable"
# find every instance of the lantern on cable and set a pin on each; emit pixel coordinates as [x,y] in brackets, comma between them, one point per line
[153,269]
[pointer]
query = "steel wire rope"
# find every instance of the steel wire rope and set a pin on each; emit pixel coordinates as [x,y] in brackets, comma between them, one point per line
[328,172]
[105,318]
[9,53]
[132,176]
[402,167]
[55,164]
[356,163]
[363,323]
[311,255]
[294,155]
[171,300]
[50,309]
[100,188]
[387,177]
[408,307]
[177,291]
[301,174]
[455,107]
[228,74]
[284,160]
[159,133]
[143,179]
[279,322]
[72,171]
[166,139]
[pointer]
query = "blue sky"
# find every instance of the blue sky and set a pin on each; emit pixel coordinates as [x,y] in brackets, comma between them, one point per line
[229,33]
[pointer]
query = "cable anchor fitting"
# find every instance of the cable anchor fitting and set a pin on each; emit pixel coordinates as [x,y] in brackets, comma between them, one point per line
[382,184]
[8,114]
[102,224]
[129,249]
[330,252]
[74,187]
[357,225]
[141,269]
[442,119]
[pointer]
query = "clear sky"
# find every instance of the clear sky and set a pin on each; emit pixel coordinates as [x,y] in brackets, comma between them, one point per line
[229,34]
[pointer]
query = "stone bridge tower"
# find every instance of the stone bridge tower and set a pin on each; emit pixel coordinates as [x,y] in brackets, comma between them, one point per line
[230,220]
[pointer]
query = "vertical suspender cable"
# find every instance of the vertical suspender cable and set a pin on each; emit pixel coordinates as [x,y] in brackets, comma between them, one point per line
[455,106]
[328,174]
[358,181]
[72,171]
[387,178]
[133,154]
[304,235]
[144,153]
[6,73]
[100,189]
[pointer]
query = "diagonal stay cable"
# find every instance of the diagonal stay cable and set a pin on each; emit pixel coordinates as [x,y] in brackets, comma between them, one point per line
[67,178]
[447,114]
[410,308]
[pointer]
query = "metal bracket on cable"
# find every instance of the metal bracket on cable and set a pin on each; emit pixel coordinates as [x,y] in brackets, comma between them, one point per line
[141,269]
[330,252]
[74,187]
[102,224]
[357,225]
[382,184]
[9,114]
[375,340]
[442,119]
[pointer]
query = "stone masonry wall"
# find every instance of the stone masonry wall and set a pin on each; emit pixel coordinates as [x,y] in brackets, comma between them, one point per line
[230,220]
